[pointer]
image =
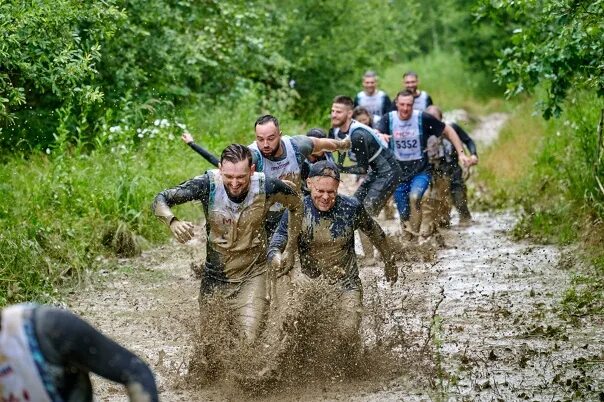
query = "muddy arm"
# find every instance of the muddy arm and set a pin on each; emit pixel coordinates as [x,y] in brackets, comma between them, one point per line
[378,238]
[65,339]
[291,200]
[194,189]
[329,145]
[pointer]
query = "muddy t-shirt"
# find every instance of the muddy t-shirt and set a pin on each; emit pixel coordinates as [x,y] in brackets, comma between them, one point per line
[427,125]
[237,239]
[326,242]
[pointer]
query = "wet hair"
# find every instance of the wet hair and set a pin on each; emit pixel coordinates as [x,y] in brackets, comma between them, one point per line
[344,100]
[359,110]
[404,92]
[236,153]
[267,118]
[410,73]
[370,74]
[435,111]
[316,133]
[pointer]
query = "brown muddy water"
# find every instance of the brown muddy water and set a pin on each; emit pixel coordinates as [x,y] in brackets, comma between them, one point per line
[478,322]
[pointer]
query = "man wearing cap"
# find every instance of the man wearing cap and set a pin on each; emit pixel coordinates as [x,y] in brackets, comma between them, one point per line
[326,242]
[235,201]
[278,156]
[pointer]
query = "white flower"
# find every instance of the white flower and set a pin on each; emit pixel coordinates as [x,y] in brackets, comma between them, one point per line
[156,122]
[182,126]
[140,135]
[170,137]
[48,151]
[115,129]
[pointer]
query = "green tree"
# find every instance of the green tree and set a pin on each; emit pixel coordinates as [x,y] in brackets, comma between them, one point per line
[556,44]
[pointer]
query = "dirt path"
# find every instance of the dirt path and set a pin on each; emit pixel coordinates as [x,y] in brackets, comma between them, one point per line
[484,311]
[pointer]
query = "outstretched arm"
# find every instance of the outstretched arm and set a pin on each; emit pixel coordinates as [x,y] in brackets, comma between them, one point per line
[329,145]
[194,189]
[207,155]
[67,340]
[377,236]
[454,138]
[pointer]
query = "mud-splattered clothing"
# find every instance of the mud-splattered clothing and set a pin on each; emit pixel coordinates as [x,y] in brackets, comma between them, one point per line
[369,151]
[46,354]
[326,241]
[237,239]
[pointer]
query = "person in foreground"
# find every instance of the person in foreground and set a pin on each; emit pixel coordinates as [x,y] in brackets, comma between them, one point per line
[235,201]
[326,242]
[46,354]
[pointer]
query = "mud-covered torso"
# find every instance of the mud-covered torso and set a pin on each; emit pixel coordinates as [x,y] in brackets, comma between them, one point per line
[236,235]
[326,243]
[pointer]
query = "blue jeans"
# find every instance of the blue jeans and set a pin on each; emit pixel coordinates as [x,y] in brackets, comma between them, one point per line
[411,189]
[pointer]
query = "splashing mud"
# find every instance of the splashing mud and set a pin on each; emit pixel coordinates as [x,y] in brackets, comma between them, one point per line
[476,320]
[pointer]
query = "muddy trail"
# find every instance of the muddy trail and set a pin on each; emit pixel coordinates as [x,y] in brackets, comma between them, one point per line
[474,320]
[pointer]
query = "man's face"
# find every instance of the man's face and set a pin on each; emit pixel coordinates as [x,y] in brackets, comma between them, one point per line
[404,105]
[268,139]
[236,176]
[323,191]
[410,82]
[340,115]
[369,85]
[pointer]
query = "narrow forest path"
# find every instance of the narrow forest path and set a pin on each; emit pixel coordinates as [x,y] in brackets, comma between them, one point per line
[479,321]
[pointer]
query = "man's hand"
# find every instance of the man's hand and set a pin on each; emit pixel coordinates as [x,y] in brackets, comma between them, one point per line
[473,160]
[385,137]
[344,145]
[187,137]
[464,160]
[182,230]
[391,272]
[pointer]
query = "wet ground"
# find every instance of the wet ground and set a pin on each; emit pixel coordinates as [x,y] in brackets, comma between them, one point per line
[477,322]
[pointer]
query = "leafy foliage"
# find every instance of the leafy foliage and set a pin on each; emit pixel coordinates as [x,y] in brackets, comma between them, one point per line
[555,43]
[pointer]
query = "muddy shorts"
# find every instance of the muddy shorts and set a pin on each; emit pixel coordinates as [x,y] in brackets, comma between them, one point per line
[247,300]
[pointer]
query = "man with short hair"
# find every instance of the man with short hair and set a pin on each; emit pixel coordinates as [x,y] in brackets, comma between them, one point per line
[407,131]
[236,200]
[375,101]
[421,99]
[326,242]
[47,354]
[278,156]
[370,153]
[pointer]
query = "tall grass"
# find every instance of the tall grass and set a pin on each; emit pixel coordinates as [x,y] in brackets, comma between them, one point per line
[62,208]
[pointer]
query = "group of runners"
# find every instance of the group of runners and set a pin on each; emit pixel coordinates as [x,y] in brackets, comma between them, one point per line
[264,203]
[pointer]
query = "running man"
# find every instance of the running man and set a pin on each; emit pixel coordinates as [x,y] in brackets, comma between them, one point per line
[278,156]
[421,99]
[448,179]
[235,201]
[47,354]
[375,101]
[407,132]
[326,242]
[368,151]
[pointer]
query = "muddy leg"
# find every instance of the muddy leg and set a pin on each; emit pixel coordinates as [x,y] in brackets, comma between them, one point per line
[250,305]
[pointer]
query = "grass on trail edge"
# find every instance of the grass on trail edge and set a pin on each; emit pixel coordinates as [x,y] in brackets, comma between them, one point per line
[547,171]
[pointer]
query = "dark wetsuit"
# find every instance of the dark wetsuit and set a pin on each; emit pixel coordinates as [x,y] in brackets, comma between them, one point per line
[236,247]
[447,164]
[326,247]
[65,350]
[368,152]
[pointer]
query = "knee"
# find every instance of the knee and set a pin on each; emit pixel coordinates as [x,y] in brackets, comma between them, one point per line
[415,199]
